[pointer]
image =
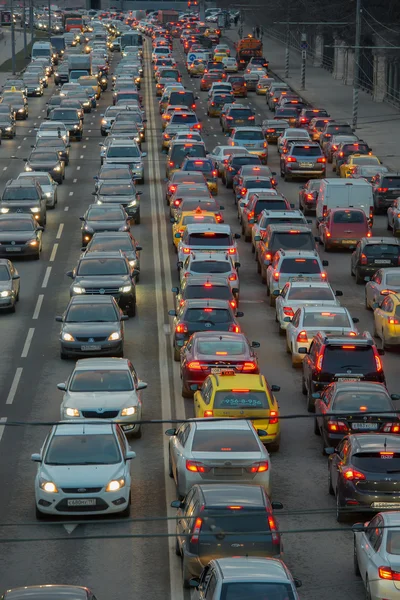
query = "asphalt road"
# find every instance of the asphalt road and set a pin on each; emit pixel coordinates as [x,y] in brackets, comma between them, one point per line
[30,368]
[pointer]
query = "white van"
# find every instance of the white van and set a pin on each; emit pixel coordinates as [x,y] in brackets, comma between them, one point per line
[42,50]
[344,193]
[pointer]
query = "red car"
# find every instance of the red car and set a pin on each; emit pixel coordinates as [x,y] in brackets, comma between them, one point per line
[344,228]
[210,351]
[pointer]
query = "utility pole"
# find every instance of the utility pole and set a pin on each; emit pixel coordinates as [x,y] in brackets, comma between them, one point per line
[31,18]
[304,48]
[49,18]
[287,51]
[13,60]
[357,53]
[24,26]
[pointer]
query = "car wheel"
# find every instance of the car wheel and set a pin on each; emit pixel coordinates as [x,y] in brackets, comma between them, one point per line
[186,392]
[355,560]
[330,487]
[316,427]
[340,515]
[359,279]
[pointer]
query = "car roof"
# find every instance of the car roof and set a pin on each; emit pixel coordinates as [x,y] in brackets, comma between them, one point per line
[48,592]
[240,381]
[282,213]
[97,299]
[83,428]
[224,495]
[208,227]
[219,336]
[206,303]
[380,240]
[288,227]
[208,424]
[252,568]
[360,386]
[366,442]
[249,128]
[102,363]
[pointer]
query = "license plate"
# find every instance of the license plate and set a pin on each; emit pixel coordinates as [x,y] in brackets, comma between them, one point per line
[90,347]
[239,121]
[13,249]
[381,261]
[250,145]
[302,164]
[227,472]
[82,502]
[348,379]
[349,241]
[222,371]
[364,426]
[395,505]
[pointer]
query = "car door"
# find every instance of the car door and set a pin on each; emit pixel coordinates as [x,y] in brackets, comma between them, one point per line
[322,405]
[179,447]
[369,544]
[381,315]
[181,523]
[281,301]
[292,328]
[308,364]
[202,398]
[15,278]
[372,290]
[335,462]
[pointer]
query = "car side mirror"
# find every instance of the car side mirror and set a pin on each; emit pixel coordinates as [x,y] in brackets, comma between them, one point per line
[276,293]
[237,265]
[255,345]
[303,350]
[237,236]
[297,582]
[355,320]
[375,305]
[177,504]
[338,293]
[170,432]
[130,455]
[70,274]
[144,154]
[59,319]
[292,205]
[239,314]
[317,238]
[325,263]
[395,396]
[172,313]
[179,264]
[82,218]
[261,432]
[61,386]
[36,458]
[194,583]
[16,277]
[330,451]
[275,388]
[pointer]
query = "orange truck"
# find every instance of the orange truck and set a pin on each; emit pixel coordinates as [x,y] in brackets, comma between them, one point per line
[246,48]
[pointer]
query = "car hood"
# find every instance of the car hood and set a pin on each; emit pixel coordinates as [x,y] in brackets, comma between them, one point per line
[92,400]
[5,285]
[81,475]
[42,164]
[91,329]
[21,236]
[117,199]
[124,160]
[106,225]
[105,281]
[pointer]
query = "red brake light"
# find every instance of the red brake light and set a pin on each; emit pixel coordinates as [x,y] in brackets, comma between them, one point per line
[197,527]
[319,360]
[322,159]
[378,361]
[232,277]
[181,328]
[302,336]
[393,321]
[382,190]
[352,474]
[234,328]
[196,467]
[287,311]
[208,285]
[207,310]
[235,507]
[276,275]
[291,159]
[249,366]
[363,259]
[273,417]
[258,467]
[337,426]
[274,529]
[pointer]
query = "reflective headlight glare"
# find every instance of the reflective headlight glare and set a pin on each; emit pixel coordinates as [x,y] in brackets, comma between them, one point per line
[67,337]
[5,293]
[28,168]
[33,243]
[72,412]
[115,484]
[113,337]
[77,289]
[125,289]
[35,209]
[128,411]
[4,210]
[48,194]
[132,263]
[48,486]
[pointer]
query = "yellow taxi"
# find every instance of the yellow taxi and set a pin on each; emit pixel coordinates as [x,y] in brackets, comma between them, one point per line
[387,320]
[187,218]
[346,168]
[219,55]
[263,86]
[242,396]
[196,68]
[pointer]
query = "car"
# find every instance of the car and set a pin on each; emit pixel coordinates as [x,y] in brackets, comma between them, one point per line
[375,552]
[222,87]
[71,120]
[385,189]
[20,235]
[220,155]
[369,473]
[239,508]
[253,170]
[316,126]
[235,162]
[200,447]
[287,113]
[24,197]
[216,102]
[46,159]
[178,151]
[46,182]
[196,68]
[307,114]
[202,315]
[302,160]
[123,194]
[205,166]
[293,135]
[238,83]
[92,326]
[240,576]
[113,241]
[335,357]
[49,592]
[19,103]
[332,144]
[343,228]
[268,199]
[127,152]
[387,320]
[7,127]
[344,150]
[373,253]
[334,127]
[9,284]
[95,457]
[270,217]
[308,196]
[103,217]
[359,406]
[191,203]
[57,144]
[183,219]
[105,273]
[251,138]
[357,159]
[382,283]
[178,177]
[199,237]
[237,115]
[246,183]
[104,388]
[273,129]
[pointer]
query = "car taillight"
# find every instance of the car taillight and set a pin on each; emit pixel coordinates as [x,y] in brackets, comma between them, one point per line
[197,527]
[234,328]
[323,274]
[273,417]
[265,145]
[243,191]
[337,427]
[382,190]
[218,217]
[232,251]
[215,173]
[276,275]
[291,159]
[270,130]
[208,413]
[309,196]
[274,530]
[232,277]
[352,474]
[391,428]
[303,120]
[172,189]
[196,467]
[196,366]
[181,328]
[363,259]
[251,214]
[287,311]
[249,366]
[371,212]
[233,303]
[321,159]
[193,106]
[197,126]
[258,467]
[393,321]
[388,574]
[319,360]
[251,118]
[229,118]
[324,211]
[302,336]
[171,164]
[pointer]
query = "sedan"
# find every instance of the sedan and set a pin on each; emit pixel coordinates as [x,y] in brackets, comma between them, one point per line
[92,327]
[104,217]
[114,241]
[48,161]
[208,451]
[91,457]
[121,194]
[308,196]
[9,285]
[7,127]
[20,235]
[382,283]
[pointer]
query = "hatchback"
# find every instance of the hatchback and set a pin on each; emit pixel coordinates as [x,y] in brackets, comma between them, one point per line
[343,228]
[251,138]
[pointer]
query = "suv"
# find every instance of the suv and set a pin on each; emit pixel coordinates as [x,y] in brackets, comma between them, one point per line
[270,217]
[259,201]
[335,128]
[204,286]
[273,129]
[307,114]
[373,253]
[302,160]
[244,510]
[344,150]
[127,152]
[274,93]
[208,237]
[293,265]
[24,197]
[385,189]
[105,273]
[334,357]
[237,116]
[234,163]
[251,138]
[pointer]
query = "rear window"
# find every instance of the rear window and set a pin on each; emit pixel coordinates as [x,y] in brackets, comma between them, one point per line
[179,119]
[235,521]
[286,112]
[300,265]
[338,359]
[199,165]
[393,279]
[210,239]
[221,347]
[393,542]
[238,161]
[310,293]
[222,99]
[182,98]
[225,440]
[193,219]
[257,591]
[269,205]
[249,135]
[292,241]
[361,402]
[218,292]
[256,183]
[241,113]
[391,182]
[353,148]
[377,462]
[390,250]
[326,319]
[238,79]
[241,400]
[336,129]
[206,315]
[349,216]
[306,151]
[210,266]
[179,152]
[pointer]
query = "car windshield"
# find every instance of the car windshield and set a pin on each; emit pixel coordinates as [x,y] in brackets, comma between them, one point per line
[42,179]
[378,250]
[4,274]
[105,214]
[209,238]
[179,152]
[349,216]
[16,225]
[225,440]
[210,266]
[111,244]
[107,189]
[20,193]
[293,241]
[64,114]
[93,313]
[123,152]
[300,266]
[207,315]
[310,293]
[326,319]
[361,401]
[241,400]
[257,591]
[102,266]
[97,380]
[43,156]
[340,358]
[249,135]
[94,449]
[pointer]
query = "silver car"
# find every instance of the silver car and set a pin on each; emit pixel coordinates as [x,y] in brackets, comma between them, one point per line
[220,155]
[211,451]
[377,555]
[127,152]
[382,283]
[47,183]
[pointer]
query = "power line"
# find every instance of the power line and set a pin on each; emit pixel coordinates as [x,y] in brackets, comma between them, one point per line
[379,23]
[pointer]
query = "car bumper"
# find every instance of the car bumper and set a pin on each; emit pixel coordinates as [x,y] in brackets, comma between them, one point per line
[19,251]
[342,243]
[99,348]
[368,501]
[7,302]
[306,172]
[187,480]
[383,590]
[105,502]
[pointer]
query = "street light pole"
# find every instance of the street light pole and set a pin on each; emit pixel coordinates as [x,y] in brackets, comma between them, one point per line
[357,53]
[49,18]
[31,18]
[24,26]
[13,60]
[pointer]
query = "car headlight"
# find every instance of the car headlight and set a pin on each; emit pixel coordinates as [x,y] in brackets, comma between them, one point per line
[125,289]
[76,126]
[8,128]
[21,110]
[4,211]
[5,293]
[133,203]
[33,243]
[103,80]
[48,486]
[99,202]
[57,168]
[115,485]
[133,263]
[67,337]
[28,168]
[38,89]
[71,412]
[89,229]
[128,411]
[47,194]
[113,337]
[77,289]
[35,209]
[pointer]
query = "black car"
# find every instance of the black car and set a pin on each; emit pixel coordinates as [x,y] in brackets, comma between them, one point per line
[373,253]
[306,114]
[7,127]
[354,407]
[385,189]
[209,511]
[113,241]
[123,194]
[346,149]
[202,315]
[92,326]
[48,160]
[71,120]
[24,197]
[54,102]
[75,104]
[105,273]
[113,172]
[334,357]
[335,128]
[364,474]
[54,143]
[20,235]
[234,162]
[61,74]
[198,287]
[103,217]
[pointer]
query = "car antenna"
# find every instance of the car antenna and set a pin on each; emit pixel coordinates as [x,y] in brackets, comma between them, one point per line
[384,445]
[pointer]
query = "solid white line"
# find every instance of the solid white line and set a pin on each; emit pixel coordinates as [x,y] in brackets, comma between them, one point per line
[2,427]
[53,253]
[60,230]
[84,146]
[46,277]
[38,306]
[13,389]
[28,341]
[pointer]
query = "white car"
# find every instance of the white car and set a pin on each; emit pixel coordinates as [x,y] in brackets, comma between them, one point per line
[230,64]
[308,320]
[83,469]
[214,263]
[292,134]
[221,87]
[377,555]
[104,388]
[47,183]
[220,156]
[382,283]
[53,129]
